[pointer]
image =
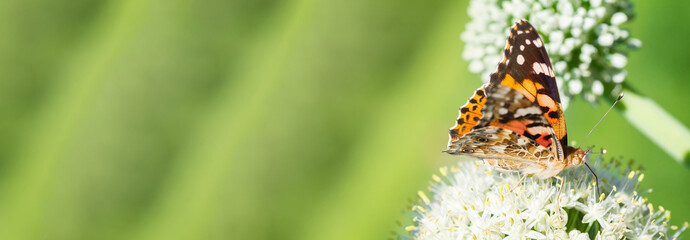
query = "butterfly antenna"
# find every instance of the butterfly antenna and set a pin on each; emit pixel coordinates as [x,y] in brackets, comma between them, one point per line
[596,178]
[602,118]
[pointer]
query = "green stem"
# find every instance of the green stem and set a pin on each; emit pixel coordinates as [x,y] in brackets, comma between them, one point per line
[658,125]
[574,219]
[589,227]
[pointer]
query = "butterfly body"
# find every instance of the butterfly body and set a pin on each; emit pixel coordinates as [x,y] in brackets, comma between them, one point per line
[515,122]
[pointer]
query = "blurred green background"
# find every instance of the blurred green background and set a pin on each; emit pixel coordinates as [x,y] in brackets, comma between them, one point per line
[268,119]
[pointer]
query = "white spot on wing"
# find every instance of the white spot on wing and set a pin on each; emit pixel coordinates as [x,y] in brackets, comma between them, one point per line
[521,141]
[528,42]
[524,111]
[538,43]
[519,32]
[541,68]
[520,59]
[502,111]
[522,47]
[499,149]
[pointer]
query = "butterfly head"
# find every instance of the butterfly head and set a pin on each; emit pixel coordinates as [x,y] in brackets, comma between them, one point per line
[578,157]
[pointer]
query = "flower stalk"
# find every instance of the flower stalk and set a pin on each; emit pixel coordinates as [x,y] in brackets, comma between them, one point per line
[663,129]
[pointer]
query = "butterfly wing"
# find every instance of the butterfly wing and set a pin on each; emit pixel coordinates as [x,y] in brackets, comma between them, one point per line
[512,134]
[515,122]
[526,68]
[470,113]
[503,150]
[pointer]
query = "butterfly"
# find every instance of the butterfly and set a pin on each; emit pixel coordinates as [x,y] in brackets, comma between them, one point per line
[515,122]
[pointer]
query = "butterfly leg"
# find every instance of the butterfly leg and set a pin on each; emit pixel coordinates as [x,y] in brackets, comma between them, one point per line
[518,183]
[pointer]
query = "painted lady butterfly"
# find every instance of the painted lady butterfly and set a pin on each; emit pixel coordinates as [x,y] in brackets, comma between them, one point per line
[515,122]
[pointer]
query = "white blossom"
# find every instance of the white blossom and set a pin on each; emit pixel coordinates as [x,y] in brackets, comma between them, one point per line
[584,39]
[472,201]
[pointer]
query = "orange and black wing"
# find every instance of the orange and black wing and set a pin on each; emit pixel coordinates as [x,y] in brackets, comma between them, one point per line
[526,68]
[470,114]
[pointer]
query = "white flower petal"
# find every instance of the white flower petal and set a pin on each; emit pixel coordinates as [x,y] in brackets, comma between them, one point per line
[605,40]
[618,60]
[469,203]
[597,87]
[575,86]
[619,18]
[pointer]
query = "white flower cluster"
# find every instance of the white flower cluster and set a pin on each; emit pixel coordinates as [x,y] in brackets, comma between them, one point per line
[471,201]
[584,40]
